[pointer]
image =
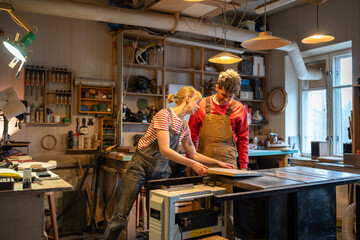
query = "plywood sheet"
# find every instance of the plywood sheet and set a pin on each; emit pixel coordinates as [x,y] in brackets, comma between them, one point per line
[233,172]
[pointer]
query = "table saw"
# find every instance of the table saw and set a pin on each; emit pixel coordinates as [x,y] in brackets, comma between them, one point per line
[283,203]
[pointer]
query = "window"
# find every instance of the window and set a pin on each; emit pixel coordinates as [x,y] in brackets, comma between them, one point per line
[326,104]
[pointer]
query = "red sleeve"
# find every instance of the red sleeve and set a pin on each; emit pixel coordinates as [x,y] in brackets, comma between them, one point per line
[242,136]
[195,123]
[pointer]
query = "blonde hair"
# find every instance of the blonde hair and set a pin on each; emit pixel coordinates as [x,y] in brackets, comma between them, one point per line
[183,93]
[230,81]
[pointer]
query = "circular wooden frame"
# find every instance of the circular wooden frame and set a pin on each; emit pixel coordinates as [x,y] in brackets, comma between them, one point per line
[273,109]
[46,138]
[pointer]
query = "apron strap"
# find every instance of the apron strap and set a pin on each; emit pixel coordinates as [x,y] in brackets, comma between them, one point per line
[231,108]
[207,106]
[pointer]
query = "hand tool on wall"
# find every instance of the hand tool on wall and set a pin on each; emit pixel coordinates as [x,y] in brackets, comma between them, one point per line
[84,129]
[27,80]
[32,80]
[42,80]
[61,75]
[37,82]
[57,76]
[77,124]
[66,76]
[53,75]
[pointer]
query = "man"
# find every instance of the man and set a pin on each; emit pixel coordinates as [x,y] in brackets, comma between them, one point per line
[220,125]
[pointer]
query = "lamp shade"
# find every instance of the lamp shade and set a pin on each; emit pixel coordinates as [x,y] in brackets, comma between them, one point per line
[317,38]
[225,58]
[18,49]
[265,41]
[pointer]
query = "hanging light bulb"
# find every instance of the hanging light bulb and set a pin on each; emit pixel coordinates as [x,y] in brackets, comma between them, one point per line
[225,57]
[317,37]
[266,40]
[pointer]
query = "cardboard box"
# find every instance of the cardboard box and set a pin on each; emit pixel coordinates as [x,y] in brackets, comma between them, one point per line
[246,95]
[258,67]
[128,54]
[352,159]
[318,149]
[224,67]
[155,57]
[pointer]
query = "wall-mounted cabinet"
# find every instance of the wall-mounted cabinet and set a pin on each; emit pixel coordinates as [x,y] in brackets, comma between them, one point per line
[107,132]
[95,100]
[177,62]
[49,94]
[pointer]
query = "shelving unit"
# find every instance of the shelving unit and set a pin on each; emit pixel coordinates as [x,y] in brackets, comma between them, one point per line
[49,92]
[95,104]
[182,63]
[107,132]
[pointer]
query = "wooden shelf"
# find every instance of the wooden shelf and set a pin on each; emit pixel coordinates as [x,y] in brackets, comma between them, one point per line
[50,124]
[250,76]
[143,94]
[95,112]
[241,75]
[84,94]
[135,65]
[96,99]
[57,92]
[182,70]
[250,100]
[81,151]
[135,123]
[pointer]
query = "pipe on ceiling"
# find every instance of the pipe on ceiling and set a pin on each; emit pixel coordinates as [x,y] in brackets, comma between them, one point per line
[298,63]
[87,11]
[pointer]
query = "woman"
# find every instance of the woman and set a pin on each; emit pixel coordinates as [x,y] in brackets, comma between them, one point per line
[153,152]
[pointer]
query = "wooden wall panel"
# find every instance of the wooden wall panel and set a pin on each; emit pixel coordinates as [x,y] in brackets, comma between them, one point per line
[83,47]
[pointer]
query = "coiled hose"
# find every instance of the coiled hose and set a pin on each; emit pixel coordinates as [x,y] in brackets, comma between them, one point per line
[348,221]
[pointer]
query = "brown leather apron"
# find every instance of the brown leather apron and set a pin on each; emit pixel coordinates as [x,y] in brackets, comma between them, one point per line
[216,138]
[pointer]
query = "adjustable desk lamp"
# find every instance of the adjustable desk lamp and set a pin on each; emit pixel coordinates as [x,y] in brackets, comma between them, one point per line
[18,48]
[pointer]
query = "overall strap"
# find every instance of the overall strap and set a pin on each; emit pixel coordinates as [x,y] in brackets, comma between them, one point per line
[171,118]
[207,106]
[231,108]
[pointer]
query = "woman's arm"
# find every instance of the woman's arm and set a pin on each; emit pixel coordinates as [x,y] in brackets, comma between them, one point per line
[166,151]
[191,152]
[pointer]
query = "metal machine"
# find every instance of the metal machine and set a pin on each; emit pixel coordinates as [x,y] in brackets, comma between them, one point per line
[186,212]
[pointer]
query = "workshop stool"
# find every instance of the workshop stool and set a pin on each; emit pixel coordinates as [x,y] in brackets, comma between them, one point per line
[52,208]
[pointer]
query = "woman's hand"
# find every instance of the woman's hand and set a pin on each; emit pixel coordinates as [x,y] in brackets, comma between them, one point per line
[226,165]
[199,168]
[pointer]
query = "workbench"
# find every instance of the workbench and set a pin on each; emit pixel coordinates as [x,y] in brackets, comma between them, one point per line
[119,161]
[281,155]
[22,210]
[286,203]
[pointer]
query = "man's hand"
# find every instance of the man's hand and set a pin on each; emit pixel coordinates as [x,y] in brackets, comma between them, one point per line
[199,168]
[226,165]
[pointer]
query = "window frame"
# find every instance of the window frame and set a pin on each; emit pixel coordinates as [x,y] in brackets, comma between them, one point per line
[329,59]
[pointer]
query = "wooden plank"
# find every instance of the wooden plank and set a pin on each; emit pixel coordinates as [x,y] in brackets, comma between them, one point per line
[233,172]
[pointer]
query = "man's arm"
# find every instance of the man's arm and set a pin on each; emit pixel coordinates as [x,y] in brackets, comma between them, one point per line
[195,123]
[242,134]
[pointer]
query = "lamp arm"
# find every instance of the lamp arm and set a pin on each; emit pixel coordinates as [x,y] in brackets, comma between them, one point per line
[7,7]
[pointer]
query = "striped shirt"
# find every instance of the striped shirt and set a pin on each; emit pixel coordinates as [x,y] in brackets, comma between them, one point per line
[161,121]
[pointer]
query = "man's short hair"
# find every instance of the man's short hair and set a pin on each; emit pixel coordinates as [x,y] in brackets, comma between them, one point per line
[230,81]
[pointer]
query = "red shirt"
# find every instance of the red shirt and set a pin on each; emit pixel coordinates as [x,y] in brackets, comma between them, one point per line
[239,125]
[161,121]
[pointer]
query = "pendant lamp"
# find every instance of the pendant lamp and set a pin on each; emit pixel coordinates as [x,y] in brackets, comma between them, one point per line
[266,40]
[317,37]
[225,57]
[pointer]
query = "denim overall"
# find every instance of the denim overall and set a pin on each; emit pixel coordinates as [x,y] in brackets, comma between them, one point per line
[146,164]
[216,139]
